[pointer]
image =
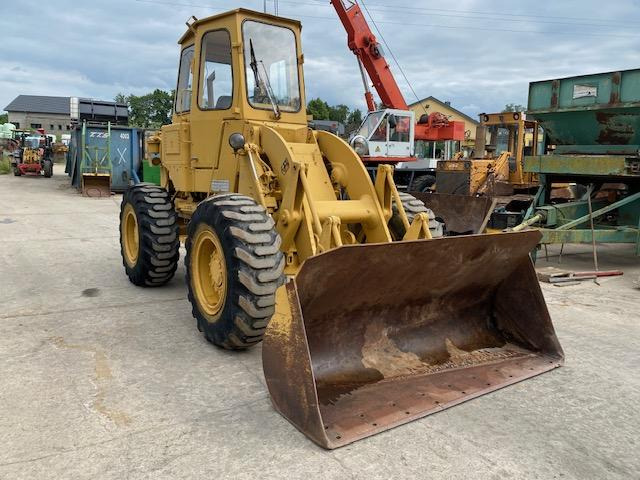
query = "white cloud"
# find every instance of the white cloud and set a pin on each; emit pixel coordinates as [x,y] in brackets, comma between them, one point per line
[98,49]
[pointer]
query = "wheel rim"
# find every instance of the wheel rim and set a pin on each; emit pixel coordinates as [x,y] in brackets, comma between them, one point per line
[209,277]
[130,235]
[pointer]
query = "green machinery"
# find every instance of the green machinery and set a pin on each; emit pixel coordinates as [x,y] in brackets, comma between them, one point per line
[96,166]
[592,128]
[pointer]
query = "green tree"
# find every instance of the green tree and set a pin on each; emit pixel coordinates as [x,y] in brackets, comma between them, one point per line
[121,98]
[4,118]
[514,107]
[319,109]
[339,113]
[148,111]
[354,120]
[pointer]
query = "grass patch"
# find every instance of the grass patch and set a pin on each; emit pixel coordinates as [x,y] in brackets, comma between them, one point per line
[5,165]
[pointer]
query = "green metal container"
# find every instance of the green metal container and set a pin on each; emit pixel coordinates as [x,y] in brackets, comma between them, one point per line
[589,114]
[150,173]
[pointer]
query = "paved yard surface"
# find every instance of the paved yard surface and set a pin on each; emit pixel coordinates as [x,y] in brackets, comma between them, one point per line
[99,379]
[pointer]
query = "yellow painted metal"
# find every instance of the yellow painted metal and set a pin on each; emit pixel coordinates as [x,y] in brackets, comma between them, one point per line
[517,125]
[489,173]
[312,182]
[209,272]
[419,228]
[130,236]
[322,200]
[31,155]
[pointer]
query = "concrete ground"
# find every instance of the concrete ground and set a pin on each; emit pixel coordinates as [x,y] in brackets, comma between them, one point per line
[99,379]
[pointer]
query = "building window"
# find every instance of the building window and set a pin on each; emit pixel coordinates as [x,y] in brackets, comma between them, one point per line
[68,127]
[51,126]
[16,124]
[59,127]
[36,125]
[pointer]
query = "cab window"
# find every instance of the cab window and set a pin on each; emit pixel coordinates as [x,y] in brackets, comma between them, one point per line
[380,133]
[271,64]
[216,78]
[400,129]
[185,81]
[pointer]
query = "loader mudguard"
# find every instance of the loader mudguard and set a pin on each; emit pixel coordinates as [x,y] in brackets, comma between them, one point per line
[368,337]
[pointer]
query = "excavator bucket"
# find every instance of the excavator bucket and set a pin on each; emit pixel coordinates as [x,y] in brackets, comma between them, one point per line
[96,184]
[368,337]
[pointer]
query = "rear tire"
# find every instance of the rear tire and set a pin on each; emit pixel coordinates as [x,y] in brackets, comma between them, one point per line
[149,241]
[16,171]
[234,267]
[47,168]
[423,183]
[412,206]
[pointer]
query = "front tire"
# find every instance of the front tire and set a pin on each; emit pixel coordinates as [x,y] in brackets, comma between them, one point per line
[47,168]
[16,171]
[149,241]
[234,266]
[412,206]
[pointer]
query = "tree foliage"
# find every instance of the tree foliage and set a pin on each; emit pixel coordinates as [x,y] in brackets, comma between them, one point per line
[321,110]
[514,107]
[339,113]
[148,111]
[4,118]
[354,120]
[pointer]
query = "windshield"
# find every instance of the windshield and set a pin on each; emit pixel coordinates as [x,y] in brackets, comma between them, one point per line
[32,142]
[370,123]
[271,65]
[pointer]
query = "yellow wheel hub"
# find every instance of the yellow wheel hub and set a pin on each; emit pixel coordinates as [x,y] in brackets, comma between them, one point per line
[209,271]
[130,235]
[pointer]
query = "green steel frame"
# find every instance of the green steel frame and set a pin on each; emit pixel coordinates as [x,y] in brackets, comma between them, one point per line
[96,160]
[560,221]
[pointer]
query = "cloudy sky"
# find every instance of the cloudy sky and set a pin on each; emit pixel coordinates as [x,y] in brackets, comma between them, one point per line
[479,55]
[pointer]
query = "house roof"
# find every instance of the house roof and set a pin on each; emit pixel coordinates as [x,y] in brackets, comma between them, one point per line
[40,104]
[448,106]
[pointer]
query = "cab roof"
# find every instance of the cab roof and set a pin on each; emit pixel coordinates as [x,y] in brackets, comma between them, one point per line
[252,13]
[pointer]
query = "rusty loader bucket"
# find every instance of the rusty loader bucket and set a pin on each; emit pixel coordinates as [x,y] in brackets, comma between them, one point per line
[462,214]
[96,184]
[368,337]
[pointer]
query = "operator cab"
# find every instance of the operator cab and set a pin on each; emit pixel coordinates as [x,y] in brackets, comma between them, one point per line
[385,135]
[265,79]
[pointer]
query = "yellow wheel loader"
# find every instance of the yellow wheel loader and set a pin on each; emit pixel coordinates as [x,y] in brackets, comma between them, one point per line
[367,321]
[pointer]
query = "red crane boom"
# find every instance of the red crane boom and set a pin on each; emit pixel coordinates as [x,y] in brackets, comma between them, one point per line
[363,43]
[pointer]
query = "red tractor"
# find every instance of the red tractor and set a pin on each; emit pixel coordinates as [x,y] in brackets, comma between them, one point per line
[34,155]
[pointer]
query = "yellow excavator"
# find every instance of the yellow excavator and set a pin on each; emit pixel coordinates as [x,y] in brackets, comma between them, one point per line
[367,321]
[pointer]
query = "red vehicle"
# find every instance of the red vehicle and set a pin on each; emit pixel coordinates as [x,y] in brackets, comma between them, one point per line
[34,155]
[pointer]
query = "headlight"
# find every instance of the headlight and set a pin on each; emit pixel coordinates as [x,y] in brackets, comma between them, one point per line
[360,145]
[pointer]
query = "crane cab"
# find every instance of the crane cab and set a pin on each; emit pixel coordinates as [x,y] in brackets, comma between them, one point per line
[386,136]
